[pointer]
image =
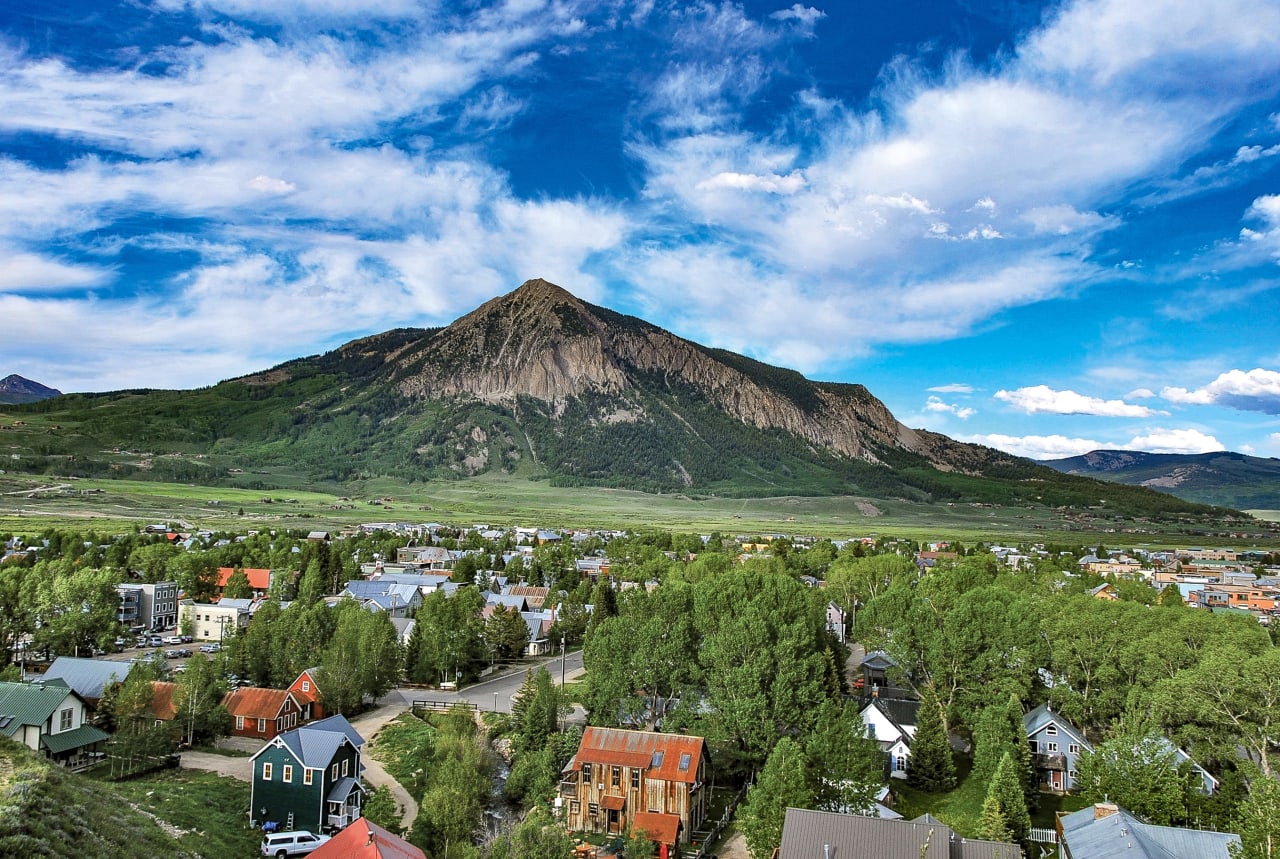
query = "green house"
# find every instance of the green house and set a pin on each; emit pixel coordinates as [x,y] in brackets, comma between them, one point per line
[308,778]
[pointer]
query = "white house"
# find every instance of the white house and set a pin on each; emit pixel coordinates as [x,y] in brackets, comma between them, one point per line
[892,722]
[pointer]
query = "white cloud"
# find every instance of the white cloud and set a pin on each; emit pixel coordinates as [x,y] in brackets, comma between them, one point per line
[1063,220]
[1257,390]
[1061,447]
[801,14]
[268,185]
[1140,394]
[1043,399]
[1271,444]
[771,183]
[25,272]
[955,388]
[936,404]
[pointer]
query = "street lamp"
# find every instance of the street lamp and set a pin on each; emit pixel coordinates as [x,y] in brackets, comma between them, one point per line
[562,661]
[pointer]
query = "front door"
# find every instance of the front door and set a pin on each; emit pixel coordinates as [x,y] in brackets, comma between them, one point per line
[614,828]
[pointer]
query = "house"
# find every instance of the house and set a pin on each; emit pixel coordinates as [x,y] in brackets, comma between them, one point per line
[88,678]
[308,778]
[163,695]
[262,713]
[49,717]
[620,779]
[1105,591]
[1056,746]
[1106,831]
[892,723]
[398,600]
[307,694]
[535,597]
[259,580]
[830,835]
[365,840]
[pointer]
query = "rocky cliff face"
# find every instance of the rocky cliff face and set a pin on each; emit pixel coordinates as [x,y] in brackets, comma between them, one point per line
[16,389]
[540,341]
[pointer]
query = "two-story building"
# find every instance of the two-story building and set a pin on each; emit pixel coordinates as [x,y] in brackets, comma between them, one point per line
[261,714]
[309,778]
[1056,746]
[48,717]
[148,605]
[216,621]
[652,782]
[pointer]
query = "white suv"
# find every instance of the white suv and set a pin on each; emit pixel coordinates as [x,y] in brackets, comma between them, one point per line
[297,843]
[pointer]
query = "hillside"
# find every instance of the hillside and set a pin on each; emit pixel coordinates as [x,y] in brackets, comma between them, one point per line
[15,389]
[46,811]
[541,384]
[1223,478]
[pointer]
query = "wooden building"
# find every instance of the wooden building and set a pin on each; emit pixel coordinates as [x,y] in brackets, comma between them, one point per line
[619,775]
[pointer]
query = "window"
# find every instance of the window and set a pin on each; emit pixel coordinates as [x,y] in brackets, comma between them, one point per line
[586,773]
[1075,776]
[575,807]
[593,809]
[1074,748]
[266,772]
[286,773]
[64,720]
[334,775]
[635,778]
[1035,747]
[344,766]
[262,726]
[615,776]
[307,776]
[685,760]
[657,759]
[1053,747]
[1052,730]
[239,723]
[900,763]
[306,685]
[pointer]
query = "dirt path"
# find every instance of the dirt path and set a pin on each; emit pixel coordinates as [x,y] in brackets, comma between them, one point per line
[368,727]
[237,768]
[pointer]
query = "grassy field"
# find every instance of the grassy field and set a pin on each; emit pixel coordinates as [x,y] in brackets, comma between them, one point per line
[28,503]
[210,811]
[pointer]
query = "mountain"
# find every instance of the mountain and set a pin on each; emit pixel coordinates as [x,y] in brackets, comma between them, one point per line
[1223,478]
[15,389]
[541,383]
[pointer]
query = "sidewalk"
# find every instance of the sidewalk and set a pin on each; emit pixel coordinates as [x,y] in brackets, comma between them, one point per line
[368,727]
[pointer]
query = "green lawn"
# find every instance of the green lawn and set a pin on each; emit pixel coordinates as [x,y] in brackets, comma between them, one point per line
[404,747]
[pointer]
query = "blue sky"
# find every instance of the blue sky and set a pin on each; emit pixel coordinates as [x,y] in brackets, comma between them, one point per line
[1044,227]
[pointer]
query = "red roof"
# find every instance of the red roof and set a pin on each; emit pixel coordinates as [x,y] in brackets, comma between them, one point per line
[617,747]
[253,702]
[661,828]
[613,803]
[365,840]
[259,580]
[162,695]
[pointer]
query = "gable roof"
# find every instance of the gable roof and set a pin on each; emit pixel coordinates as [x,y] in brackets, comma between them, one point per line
[314,745]
[661,754]
[1108,832]
[1042,716]
[364,840]
[162,697]
[903,713]
[88,677]
[830,835]
[29,703]
[254,702]
[305,696]
[259,580]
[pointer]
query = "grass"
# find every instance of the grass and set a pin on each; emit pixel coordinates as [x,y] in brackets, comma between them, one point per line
[30,503]
[404,747]
[211,810]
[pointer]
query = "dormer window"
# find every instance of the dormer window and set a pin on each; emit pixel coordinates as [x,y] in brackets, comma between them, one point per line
[685,760]
[657,759]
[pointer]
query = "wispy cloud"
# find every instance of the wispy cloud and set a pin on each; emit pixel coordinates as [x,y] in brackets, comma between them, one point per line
[955,388]
[1061,447]
[937,404]
[1043,399]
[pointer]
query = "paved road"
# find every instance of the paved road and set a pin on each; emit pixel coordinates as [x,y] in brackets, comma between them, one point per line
[495,693]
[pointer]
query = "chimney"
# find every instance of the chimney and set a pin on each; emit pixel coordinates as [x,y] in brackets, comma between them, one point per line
[1105,809]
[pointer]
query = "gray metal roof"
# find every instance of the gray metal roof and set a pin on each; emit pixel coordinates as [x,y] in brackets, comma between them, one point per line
[1041,716]
[1120,834]
[88,677]
[828,835]
[315,744]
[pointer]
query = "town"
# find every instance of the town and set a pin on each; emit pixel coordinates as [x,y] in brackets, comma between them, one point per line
[606,692]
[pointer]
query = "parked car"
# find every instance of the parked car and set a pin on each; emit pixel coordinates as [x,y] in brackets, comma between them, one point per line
[120,642]
[155,641]
[296,843]
[173,639]
[171,654]
[184,652]
[186,639]
[210,648]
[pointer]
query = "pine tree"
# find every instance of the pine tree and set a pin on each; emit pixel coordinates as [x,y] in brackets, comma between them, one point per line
[992,825]
[930,766]
[1000,730]
[1259,823]
[782,783]
[1006,793]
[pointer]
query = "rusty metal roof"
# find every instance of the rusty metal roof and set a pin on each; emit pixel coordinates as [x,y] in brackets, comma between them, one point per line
[661,754]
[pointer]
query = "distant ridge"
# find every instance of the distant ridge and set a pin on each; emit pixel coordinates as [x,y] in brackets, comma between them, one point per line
[1224,478]
[15,389]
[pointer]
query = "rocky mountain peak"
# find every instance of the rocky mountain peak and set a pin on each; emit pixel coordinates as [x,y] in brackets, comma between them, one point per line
[16,389]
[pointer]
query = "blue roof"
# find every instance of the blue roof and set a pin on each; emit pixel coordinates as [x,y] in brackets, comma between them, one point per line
[1119,834]
[315,744]
[88,677]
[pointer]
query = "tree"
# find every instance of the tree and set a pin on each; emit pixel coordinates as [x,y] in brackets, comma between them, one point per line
[539,715]
[506,634]
[1139,771]
[992,824]
[782,783]
[1259,820]
[538,836]
[845,764]
[1004,802]
[197,702]
[1000,730]
[238,586]
[931,766]
[381,809]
